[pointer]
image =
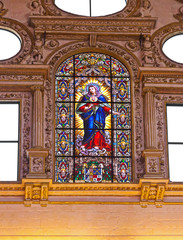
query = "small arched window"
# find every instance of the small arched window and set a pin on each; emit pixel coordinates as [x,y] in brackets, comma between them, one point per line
[93,120]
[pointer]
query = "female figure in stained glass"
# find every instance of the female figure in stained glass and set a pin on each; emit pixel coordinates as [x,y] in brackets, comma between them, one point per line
[93,108]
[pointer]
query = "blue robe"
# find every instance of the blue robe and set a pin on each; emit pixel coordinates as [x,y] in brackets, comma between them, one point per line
[94,118]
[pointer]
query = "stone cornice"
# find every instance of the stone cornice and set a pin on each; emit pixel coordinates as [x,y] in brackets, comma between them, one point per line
[164,80]
[42,191]
[60,25]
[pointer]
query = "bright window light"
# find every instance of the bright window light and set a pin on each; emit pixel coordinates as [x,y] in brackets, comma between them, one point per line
[175,142]
[10,44]
[91,8]
[80,7]
[106,7]
[173,48]
[9,141]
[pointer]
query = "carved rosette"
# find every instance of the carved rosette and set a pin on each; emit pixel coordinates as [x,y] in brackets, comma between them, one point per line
[159,37]
[26,39]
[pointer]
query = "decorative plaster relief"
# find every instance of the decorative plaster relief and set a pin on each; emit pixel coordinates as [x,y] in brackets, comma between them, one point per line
[36,7]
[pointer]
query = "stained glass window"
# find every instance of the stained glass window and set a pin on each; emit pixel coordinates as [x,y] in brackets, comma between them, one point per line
[93,120]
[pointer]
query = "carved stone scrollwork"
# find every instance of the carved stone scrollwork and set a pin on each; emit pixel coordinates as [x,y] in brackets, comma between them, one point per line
[3,11]
[26,37]
[147,53]
[36,7]
[179,16]
[146,8]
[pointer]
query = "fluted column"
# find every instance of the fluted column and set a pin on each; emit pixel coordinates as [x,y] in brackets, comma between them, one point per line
[37,117]
[151,154]
[37,154]
[150,121]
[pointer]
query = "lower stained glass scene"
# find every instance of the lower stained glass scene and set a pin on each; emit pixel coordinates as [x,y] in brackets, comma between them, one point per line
[93,120]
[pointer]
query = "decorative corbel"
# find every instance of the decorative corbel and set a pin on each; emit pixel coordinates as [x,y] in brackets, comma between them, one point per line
[152,192]
[92,40]
[36,192]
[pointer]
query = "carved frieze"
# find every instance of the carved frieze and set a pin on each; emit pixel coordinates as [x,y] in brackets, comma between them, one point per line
[60,25]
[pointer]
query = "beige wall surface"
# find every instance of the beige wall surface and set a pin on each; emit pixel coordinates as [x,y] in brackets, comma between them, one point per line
[90,222]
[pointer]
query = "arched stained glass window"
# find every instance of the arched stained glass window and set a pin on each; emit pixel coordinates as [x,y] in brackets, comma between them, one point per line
[93,120]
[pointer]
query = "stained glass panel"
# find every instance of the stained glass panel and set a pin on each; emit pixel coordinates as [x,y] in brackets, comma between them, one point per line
[66,68]
[93,120]
[92,142]
[93,170]
[123,121]
[64,115]
[64,169]
[121,89]
[118,69]
[122,143]
[122,169]
[64,89]
[64,142]
[92,64]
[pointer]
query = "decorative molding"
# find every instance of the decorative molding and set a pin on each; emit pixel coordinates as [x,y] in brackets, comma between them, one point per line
[60,25]
[152,192]
[157,192]
[26,38]
[159,37]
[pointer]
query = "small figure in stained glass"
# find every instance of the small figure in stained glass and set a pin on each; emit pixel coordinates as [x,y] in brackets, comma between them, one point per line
[93,108]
